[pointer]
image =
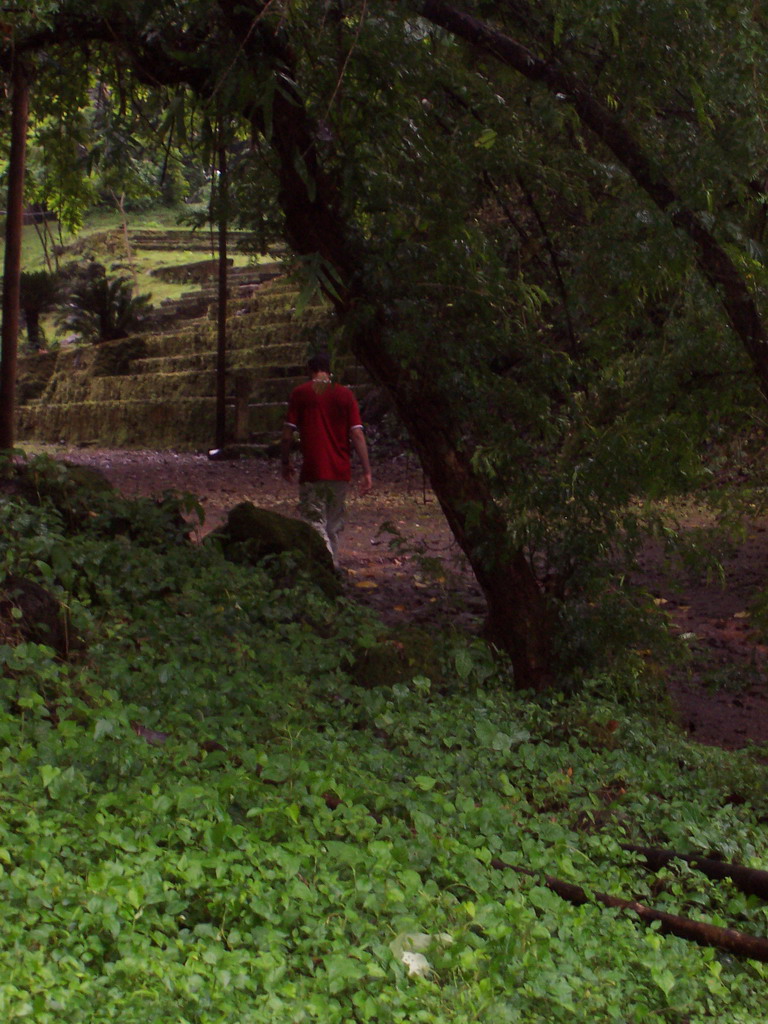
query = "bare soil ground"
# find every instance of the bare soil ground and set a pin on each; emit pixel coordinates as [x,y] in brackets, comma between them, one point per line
[413,572]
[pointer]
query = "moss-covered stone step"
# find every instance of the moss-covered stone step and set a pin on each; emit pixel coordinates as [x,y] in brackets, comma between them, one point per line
[187,384]
[187,423]
[263,340]
[141,387]
[260,327]
[204,271]
[242,286]
[185,239]
[205,359]
[199,336]
[158,389]
[34,374]
[248,312]
[248,325]
[199,358]
[245,361]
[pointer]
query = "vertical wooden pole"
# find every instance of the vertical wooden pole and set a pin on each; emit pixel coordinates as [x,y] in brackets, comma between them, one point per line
[221,347]
[12,273]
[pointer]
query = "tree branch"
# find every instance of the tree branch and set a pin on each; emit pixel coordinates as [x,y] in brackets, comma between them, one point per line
[728,939]
[714,262]
[752,881]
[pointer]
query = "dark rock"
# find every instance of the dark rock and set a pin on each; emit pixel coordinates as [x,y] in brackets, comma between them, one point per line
[34,615]
[251,534]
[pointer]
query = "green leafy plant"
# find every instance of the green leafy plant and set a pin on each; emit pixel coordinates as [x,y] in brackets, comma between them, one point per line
[39,292]
[100,308]
[219,824]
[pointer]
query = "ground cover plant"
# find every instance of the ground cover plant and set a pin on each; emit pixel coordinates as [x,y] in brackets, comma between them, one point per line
[209,816]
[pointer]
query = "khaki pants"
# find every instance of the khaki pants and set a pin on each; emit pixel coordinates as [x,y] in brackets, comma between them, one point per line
[321,504]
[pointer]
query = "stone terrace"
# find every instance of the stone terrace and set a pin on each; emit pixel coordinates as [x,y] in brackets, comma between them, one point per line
[158,389]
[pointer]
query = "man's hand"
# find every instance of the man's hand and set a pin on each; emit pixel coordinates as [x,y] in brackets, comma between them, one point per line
[361,448]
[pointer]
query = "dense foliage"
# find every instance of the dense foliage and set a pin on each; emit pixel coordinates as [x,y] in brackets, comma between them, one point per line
[208,816]
[549,252]
[102,308]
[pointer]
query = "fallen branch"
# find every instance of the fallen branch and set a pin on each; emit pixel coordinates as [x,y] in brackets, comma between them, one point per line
[728,939]
[752,881]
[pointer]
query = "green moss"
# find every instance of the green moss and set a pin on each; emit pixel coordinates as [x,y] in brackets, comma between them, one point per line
[34,373]
[158,390]
[114,358]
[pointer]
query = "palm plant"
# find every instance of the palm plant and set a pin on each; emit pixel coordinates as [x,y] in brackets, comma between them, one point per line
[103,309]
[39,291]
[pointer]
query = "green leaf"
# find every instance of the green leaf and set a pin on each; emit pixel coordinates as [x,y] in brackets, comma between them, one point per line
[48,773]
[664,978]
[103,727]
[464,664]
[486,139]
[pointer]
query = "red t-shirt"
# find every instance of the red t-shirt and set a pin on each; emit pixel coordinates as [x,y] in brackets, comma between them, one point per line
[323,414]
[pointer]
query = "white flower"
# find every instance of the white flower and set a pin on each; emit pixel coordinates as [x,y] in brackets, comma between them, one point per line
[417,964]
[406,949]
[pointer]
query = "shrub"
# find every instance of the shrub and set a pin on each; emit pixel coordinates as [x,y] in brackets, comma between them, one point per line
[100,308]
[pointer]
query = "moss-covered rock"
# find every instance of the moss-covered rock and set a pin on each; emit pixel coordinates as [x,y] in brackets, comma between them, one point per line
[251,534]
[29,612]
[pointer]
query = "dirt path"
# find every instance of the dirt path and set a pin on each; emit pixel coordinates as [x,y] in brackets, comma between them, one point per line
[412,571]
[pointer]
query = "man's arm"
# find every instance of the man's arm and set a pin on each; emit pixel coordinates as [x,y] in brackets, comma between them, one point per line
[286,443]
[361,448]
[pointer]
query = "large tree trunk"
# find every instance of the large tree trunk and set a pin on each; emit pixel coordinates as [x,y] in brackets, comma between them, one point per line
[519,617]
[520,620]
[12,271]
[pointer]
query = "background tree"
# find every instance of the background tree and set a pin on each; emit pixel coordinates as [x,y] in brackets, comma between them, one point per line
[542,257]
[39,291]
[537,491]
[12,265]
[100,308]
[60,138]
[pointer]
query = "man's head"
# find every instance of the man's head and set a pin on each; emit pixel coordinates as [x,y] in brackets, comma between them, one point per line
[319,364]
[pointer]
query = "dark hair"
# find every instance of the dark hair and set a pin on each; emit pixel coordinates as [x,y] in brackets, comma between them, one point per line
[319,364]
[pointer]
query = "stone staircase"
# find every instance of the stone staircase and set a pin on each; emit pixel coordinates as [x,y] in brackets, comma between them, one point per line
[242,284]
[158,389]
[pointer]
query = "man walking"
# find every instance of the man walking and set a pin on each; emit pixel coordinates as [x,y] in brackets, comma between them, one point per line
[327,418]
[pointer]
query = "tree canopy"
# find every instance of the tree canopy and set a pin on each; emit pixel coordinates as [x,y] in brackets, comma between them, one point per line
[541,226]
